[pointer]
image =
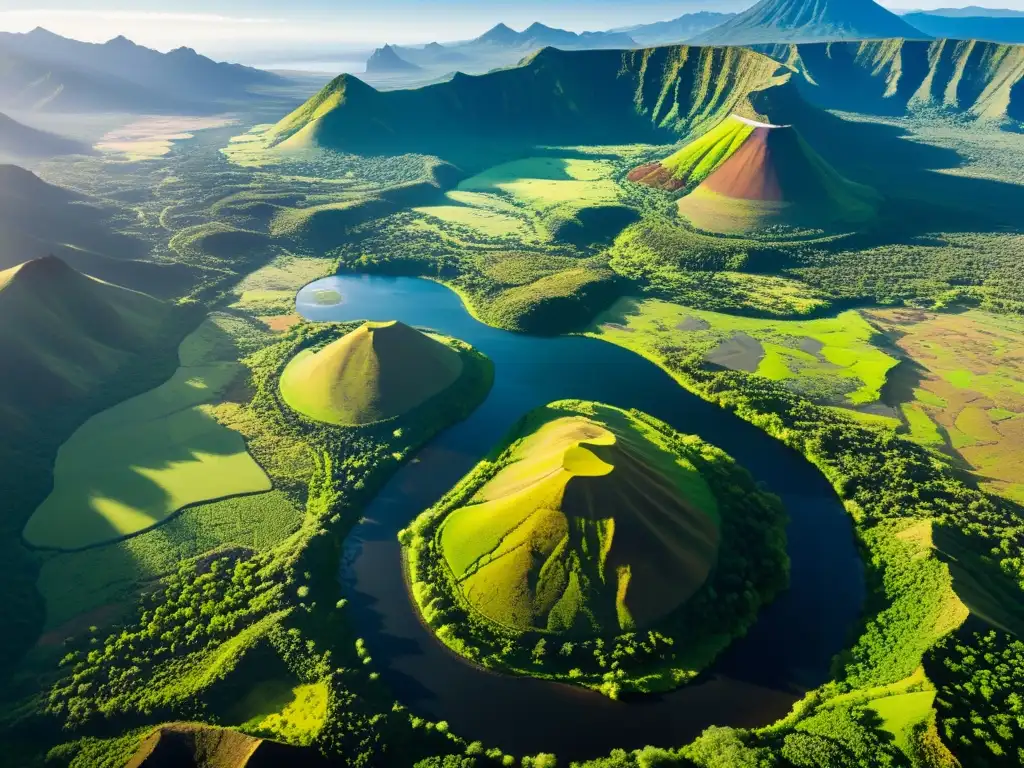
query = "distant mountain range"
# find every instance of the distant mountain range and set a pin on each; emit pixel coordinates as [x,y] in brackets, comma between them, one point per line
[996,28]
[387,60]
[769,21]
[780,21]
[500,46]
[675,31]
[43,71]
[973,11]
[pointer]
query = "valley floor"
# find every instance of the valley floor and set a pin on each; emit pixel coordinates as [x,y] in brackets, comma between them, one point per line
[892,360]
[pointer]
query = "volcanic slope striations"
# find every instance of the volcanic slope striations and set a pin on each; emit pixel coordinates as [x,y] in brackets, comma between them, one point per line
[375,373]
[694,162]
[591,526]
[762,175]
[777,21]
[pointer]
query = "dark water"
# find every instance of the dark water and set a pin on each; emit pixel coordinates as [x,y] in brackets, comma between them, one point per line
[788,650]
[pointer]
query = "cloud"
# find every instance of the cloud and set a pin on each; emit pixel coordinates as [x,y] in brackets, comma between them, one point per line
[21,16]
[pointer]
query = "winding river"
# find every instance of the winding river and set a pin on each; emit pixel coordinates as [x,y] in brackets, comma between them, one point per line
[754,683]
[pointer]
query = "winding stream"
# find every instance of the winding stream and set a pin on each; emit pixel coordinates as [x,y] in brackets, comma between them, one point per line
[754,683]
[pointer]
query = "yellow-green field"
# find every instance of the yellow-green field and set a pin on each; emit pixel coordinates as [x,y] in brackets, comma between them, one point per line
[134,465]
[280,710]
[831,359]
[579,497]
[524,198]
[964,392]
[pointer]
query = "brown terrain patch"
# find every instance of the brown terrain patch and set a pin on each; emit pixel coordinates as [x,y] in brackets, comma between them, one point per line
[751,173]
[617,327]
[281,323]
[656,175]
[693,324]
[740,352]
[986,353]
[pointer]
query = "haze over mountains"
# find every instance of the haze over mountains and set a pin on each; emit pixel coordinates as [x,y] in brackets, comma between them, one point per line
[997,26]
[38,219]
[20,142]
[498,47]
[775,21]
[43,71]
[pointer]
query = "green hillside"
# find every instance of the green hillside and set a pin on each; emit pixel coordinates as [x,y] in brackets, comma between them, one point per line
[601,534]
[39,219]
[554,96]
[773,177]
[698,159]
[593,525]
[976,79]
[20,141]
[377,372]
[62,333]
[776,21]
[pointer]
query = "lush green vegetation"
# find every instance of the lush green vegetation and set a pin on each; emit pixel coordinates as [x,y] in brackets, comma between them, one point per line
[831,360]
[980,673]
[561,574]
[235,602]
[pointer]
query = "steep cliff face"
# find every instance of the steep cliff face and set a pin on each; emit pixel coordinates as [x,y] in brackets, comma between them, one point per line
[979,80]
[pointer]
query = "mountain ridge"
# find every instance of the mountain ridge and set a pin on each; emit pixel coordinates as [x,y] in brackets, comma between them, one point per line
[653,94]
[779,21]
[40,70]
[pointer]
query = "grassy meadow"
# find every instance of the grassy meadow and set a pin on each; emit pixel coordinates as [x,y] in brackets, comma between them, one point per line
[534,200]
[832,360]
[962,389]
[133,466]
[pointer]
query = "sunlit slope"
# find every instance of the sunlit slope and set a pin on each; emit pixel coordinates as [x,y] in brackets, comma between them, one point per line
[697,160]
[592,526]
[61,333]
[774,21]
[975,79]
[772,178]
[378,372]
[552,97]
[195,745]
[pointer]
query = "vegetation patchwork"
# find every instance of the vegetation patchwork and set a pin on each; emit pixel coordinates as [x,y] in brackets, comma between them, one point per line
[592,524]
[831,360]
[961,388]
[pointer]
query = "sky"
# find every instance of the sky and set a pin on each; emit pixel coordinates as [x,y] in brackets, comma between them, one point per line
[243,29]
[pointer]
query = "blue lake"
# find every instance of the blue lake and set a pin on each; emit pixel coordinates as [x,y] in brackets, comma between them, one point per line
[755,682]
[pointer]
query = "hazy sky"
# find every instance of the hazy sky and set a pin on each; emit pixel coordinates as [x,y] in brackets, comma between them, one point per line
[224,26]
